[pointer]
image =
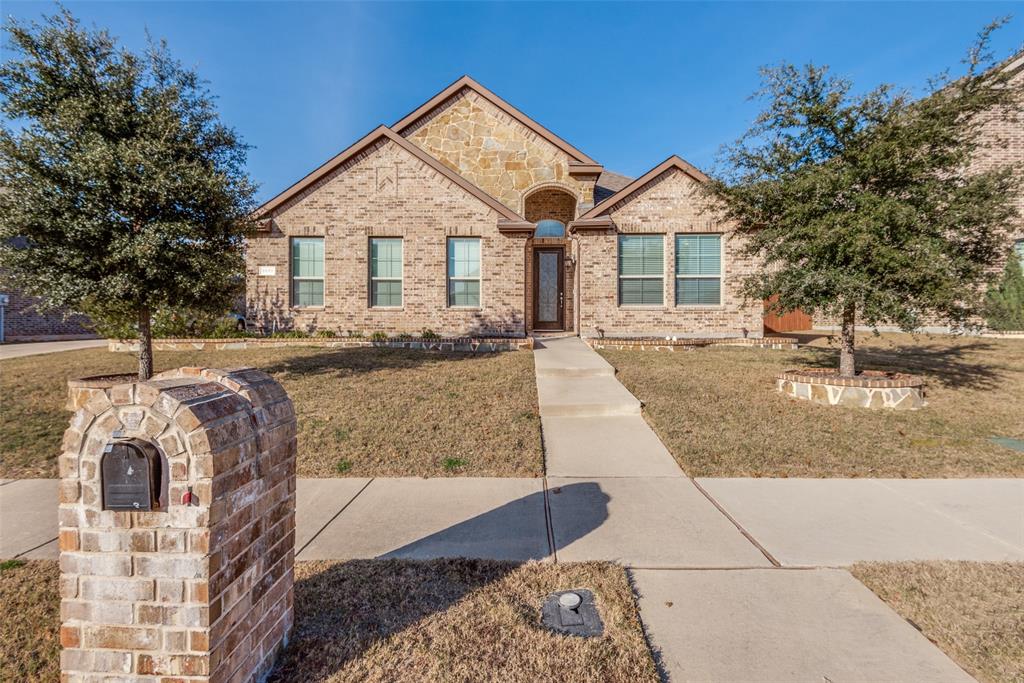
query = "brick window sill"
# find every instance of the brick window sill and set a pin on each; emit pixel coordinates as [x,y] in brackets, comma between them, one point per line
[641,307]
[697,307]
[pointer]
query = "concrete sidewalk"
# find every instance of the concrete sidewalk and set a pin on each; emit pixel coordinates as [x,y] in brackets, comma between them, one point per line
[836,522]
[35,348]
[642,522]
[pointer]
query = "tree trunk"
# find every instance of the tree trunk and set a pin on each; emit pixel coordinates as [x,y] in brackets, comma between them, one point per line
[847,365]
[145,345]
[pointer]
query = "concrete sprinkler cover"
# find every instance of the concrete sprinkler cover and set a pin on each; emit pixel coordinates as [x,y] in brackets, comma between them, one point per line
[572,613]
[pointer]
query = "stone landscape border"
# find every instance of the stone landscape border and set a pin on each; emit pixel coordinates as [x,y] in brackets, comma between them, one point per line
[647,343]
[446,344]
[1004,334]
[870,389]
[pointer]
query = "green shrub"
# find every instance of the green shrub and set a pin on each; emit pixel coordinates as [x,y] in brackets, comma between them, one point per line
[291,334]
[325,334]
[1004,303]
[354,334]
[404,336]
[379,336]
[429,334]
[226,328]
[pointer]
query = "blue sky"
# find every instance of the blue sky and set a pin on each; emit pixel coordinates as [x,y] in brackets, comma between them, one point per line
[628,83]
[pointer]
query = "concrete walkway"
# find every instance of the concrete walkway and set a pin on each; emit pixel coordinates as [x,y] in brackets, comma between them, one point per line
[36,348]
[714,601]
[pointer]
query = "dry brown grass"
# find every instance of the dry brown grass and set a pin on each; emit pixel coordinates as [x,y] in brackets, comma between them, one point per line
[393,620]
[717,410]
[457,620]
[29,621]
[974,611]
[362,412]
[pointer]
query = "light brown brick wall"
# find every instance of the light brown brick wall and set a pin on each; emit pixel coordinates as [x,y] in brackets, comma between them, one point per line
[550,203]
[668,205]
[388,192]
[495,152]
[199,590]
[1003,145]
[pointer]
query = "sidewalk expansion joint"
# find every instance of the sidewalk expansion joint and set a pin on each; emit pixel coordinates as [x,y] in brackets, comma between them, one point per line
[746,534]
[331,520]
[549,526]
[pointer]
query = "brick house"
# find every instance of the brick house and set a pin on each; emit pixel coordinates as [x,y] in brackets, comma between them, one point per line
[23,319]
[466,217]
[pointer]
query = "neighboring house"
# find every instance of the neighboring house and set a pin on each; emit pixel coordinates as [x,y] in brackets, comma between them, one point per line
[1002,144]
[467,217]
[23,320]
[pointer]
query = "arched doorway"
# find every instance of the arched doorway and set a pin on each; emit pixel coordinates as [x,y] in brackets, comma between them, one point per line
[550,268]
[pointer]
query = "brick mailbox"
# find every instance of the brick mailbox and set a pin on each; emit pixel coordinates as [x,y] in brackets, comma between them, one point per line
[177,528]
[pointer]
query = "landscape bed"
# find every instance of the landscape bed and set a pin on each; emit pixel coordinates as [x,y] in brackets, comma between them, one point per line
[447,344]
[718,411]
[361,411]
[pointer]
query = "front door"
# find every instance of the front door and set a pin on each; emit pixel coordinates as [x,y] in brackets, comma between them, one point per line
[548,288]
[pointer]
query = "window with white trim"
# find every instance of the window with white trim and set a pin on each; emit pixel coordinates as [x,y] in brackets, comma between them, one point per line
[464,272]
[307,271]
[641,270]
[698,270]
[385,272]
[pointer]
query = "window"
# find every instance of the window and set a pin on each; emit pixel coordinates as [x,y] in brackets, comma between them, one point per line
[385,271]
[307,271]
[698,270]
[464,272]
[1018,248]
[641,270]
[549,228]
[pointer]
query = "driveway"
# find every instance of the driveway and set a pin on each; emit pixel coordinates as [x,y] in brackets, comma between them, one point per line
[37,348]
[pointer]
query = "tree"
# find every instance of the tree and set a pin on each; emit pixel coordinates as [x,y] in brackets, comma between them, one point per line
[862,207]
[1004,302]
[122,190]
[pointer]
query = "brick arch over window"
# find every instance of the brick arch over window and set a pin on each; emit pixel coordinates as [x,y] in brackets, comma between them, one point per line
[550,202]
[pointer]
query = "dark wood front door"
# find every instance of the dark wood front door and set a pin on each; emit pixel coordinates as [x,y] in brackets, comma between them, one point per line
[548,288]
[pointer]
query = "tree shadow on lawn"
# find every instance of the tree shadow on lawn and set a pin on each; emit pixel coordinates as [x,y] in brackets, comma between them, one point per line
[347,607]
[957,366]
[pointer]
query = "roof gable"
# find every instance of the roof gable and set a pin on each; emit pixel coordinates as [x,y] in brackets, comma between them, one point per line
[635,188]
[466,82]
[366,143]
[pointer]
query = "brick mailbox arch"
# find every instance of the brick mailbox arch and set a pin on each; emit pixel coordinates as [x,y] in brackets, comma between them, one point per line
[199,586]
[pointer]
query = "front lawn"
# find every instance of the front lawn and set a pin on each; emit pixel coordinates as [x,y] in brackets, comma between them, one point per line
[362,412]
[717,410]
[974,611]
[392,620]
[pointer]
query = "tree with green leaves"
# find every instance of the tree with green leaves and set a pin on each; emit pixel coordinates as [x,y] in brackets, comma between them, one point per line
[122,191]
[862,207]
[1004,302]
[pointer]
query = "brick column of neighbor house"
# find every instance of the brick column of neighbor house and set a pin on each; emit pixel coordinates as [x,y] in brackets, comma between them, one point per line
[199,588]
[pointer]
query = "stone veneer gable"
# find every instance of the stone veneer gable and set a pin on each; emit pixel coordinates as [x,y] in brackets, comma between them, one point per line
[494,151]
